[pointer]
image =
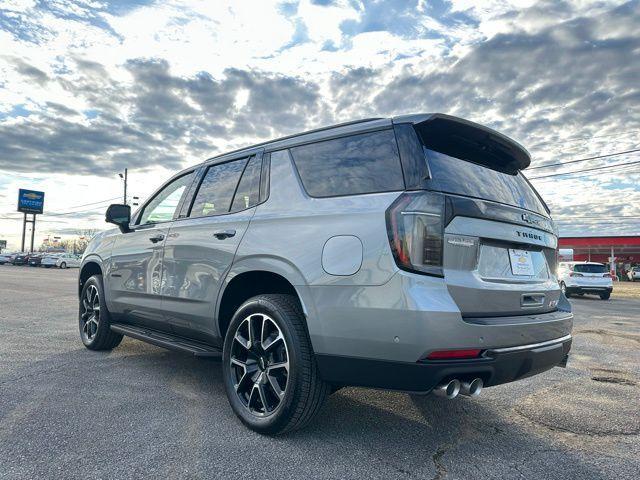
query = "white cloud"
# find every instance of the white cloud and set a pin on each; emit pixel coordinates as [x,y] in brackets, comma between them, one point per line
[84,88]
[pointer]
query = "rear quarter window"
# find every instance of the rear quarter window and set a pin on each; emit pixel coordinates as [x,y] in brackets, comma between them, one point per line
[358,164]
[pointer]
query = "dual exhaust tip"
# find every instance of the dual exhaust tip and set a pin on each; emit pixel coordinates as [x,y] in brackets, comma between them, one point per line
[455,387]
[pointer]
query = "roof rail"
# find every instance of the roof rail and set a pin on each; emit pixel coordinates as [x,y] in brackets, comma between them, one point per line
[315,130]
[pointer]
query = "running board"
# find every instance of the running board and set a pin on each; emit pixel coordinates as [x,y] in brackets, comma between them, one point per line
[166,340]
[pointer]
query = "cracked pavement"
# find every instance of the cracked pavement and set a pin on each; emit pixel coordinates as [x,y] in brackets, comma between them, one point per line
[141,411]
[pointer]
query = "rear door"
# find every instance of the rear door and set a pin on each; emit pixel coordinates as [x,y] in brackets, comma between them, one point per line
[499,253]
[592,274]
[134,278]
[201,245]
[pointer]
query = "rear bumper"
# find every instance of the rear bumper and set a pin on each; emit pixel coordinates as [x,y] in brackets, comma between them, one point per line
[495,367]
[589,289]
[412,315]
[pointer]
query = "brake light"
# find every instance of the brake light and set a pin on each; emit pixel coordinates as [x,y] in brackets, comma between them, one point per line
[454,354]
[415,224]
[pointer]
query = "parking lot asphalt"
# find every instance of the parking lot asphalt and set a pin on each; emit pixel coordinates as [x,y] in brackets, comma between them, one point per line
[141,411]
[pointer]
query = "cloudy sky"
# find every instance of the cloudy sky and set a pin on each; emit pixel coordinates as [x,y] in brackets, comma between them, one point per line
[88,88]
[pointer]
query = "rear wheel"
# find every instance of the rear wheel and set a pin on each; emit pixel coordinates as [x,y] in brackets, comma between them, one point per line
[605,296]
[94,319]
[563,287]
[63,265]
[270,374]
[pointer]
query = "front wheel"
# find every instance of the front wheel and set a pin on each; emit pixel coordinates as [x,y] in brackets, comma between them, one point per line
[63,265]
[270,374]
[94,319]
[605,296]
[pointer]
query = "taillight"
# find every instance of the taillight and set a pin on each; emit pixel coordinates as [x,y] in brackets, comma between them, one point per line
[415,224]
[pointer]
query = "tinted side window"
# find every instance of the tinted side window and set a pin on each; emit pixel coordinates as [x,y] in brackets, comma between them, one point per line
[364,163]
[217,188]
[249,186]
[265,177]
[412,157]
[163,206]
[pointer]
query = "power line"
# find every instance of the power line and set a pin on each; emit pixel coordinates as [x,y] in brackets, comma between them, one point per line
[94,203]
[627,172]
[63,214]
[594,222]
[593,169]
[576,138]
[559,164]
[597,217]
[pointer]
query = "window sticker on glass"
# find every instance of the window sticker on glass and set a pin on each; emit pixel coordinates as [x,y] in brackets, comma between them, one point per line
[521,262]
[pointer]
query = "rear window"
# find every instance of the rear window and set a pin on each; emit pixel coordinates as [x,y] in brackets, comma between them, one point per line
[461,177]
[589,268]
[364,163]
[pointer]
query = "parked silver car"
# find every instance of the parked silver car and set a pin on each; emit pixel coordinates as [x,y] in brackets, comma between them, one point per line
[406,253]
[61,260]
[50,260]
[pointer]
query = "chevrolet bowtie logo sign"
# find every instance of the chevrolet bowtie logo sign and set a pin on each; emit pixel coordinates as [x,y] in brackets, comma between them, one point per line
[30,201]
[33,196]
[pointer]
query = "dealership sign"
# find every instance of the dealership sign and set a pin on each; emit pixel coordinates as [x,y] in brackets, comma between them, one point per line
[30,201]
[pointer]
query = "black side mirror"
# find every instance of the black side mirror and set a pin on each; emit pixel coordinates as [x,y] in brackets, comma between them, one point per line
[119,215]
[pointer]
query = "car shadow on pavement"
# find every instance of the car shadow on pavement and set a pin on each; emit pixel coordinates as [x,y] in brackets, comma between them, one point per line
[151,405]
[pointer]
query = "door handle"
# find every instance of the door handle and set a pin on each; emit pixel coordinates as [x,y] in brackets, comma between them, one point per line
[157,238]
[222,234]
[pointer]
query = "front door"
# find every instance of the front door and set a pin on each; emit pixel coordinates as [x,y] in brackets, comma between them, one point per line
[135,272]
[200,247]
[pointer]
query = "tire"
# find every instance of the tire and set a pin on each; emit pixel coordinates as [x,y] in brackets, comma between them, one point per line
[95,330]
[563,287]
[605,296]
[63,265]
[268,397]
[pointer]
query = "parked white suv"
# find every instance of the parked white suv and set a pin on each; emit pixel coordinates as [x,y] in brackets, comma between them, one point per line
[634,274]
[585,277]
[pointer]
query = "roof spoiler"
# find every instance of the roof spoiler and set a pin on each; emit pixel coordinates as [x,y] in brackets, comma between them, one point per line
[469,141]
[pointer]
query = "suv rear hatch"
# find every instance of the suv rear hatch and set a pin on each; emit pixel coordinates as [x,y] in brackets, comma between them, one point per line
[591,274]
[497,249]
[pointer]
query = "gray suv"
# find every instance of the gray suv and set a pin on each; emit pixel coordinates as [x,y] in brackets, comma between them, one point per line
[407,253]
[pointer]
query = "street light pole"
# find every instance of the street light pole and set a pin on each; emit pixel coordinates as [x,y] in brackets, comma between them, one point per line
[124,177]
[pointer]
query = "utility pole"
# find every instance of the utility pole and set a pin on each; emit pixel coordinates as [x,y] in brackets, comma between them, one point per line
[124,177]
